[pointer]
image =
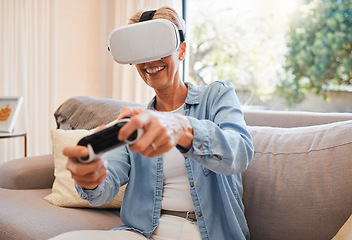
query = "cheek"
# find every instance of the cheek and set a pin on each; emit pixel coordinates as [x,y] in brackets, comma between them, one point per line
[174,68]
[173,63]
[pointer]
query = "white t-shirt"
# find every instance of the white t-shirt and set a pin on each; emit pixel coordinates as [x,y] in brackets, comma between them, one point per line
[176,192]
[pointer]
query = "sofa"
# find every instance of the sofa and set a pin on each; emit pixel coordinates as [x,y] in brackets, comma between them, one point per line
[298,186]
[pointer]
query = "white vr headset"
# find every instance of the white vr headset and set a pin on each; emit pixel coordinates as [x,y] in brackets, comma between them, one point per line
[145,41]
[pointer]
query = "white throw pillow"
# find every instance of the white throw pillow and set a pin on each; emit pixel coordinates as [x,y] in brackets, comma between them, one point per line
[64,193]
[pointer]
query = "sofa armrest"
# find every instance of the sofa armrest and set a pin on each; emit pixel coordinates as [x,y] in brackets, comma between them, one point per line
[28,173]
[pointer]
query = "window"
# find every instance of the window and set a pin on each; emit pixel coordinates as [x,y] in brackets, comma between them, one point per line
[278,54]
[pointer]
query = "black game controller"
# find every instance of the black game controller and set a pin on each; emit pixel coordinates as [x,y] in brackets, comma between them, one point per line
[106,140]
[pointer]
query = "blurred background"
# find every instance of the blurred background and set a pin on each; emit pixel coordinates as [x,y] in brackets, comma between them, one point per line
[280,55]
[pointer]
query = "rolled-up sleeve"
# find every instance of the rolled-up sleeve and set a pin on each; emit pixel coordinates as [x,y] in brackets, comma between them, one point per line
[221,141]
[118,169]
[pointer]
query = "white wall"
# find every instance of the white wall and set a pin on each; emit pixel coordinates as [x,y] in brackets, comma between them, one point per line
[81,46]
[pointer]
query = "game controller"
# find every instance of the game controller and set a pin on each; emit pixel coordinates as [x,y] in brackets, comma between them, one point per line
[107,139]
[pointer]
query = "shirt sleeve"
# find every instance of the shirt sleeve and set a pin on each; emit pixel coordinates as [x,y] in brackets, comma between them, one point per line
[221,141]
[118,169]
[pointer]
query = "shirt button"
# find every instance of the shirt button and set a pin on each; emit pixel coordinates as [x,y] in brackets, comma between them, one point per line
[192,184]
[201,148]
[199,214]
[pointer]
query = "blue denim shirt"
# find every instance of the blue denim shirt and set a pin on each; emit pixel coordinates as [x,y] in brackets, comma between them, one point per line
[222,149]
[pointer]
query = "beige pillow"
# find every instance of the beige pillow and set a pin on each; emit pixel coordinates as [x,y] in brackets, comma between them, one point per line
[345,233]
[64,193]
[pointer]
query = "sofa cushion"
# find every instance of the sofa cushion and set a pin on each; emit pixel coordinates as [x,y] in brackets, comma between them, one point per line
[64,193]
[299,183]
[25,215]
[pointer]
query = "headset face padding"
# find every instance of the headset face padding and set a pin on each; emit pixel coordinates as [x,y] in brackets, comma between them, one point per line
[144,41]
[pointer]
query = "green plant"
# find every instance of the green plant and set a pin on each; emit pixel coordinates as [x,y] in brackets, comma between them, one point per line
[319,41]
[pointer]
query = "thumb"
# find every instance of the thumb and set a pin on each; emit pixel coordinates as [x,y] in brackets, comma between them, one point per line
[129,112]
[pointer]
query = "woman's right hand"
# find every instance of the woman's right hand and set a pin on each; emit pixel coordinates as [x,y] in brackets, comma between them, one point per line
[87,175]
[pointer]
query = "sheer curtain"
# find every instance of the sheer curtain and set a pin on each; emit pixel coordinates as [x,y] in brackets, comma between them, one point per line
[26,70]
[127,85]
[51,50]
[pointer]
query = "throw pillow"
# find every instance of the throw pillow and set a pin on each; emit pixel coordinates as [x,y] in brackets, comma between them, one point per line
[64,193]
[298,185]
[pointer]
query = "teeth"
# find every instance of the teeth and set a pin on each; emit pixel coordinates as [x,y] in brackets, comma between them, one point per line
[154,70]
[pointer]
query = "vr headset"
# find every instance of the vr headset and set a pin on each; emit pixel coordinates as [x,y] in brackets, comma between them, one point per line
[145,41]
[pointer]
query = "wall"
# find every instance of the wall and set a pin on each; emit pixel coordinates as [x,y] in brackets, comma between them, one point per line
[81,43]
[338,101]
[51,51]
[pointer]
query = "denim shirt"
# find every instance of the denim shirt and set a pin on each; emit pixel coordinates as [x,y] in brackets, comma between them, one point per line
[222,148]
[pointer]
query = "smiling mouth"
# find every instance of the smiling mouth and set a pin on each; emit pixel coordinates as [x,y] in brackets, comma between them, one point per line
[154,70]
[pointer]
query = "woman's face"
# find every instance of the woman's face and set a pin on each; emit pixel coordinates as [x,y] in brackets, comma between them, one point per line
[160,74]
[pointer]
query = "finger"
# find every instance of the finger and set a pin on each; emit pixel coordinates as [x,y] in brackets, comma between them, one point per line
[125,112]
[129,112]
[129,128]
[153,133]
[150,152]
[162,139]
[91,181]
[153,139]
[75,151]
[92,177]
[99,128]
[91,185]
[82,169]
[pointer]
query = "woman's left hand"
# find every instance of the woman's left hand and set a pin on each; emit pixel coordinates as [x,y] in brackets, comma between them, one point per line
[162,130]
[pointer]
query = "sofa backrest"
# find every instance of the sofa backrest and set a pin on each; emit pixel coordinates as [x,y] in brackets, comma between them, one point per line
[299,185]
[289,119]
[85,112]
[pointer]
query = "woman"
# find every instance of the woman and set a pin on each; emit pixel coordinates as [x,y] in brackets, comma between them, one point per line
[184,173]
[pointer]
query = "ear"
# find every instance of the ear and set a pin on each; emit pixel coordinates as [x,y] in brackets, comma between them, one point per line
[182,53]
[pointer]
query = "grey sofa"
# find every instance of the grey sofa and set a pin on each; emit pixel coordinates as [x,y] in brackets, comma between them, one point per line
[298,185]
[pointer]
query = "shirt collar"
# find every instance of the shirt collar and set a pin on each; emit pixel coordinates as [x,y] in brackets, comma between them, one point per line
[191,99]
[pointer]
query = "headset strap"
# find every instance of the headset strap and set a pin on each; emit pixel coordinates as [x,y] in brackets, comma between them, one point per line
[182,37]
[147,15]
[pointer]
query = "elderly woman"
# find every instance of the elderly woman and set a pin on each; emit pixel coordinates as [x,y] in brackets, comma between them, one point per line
[184,173]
